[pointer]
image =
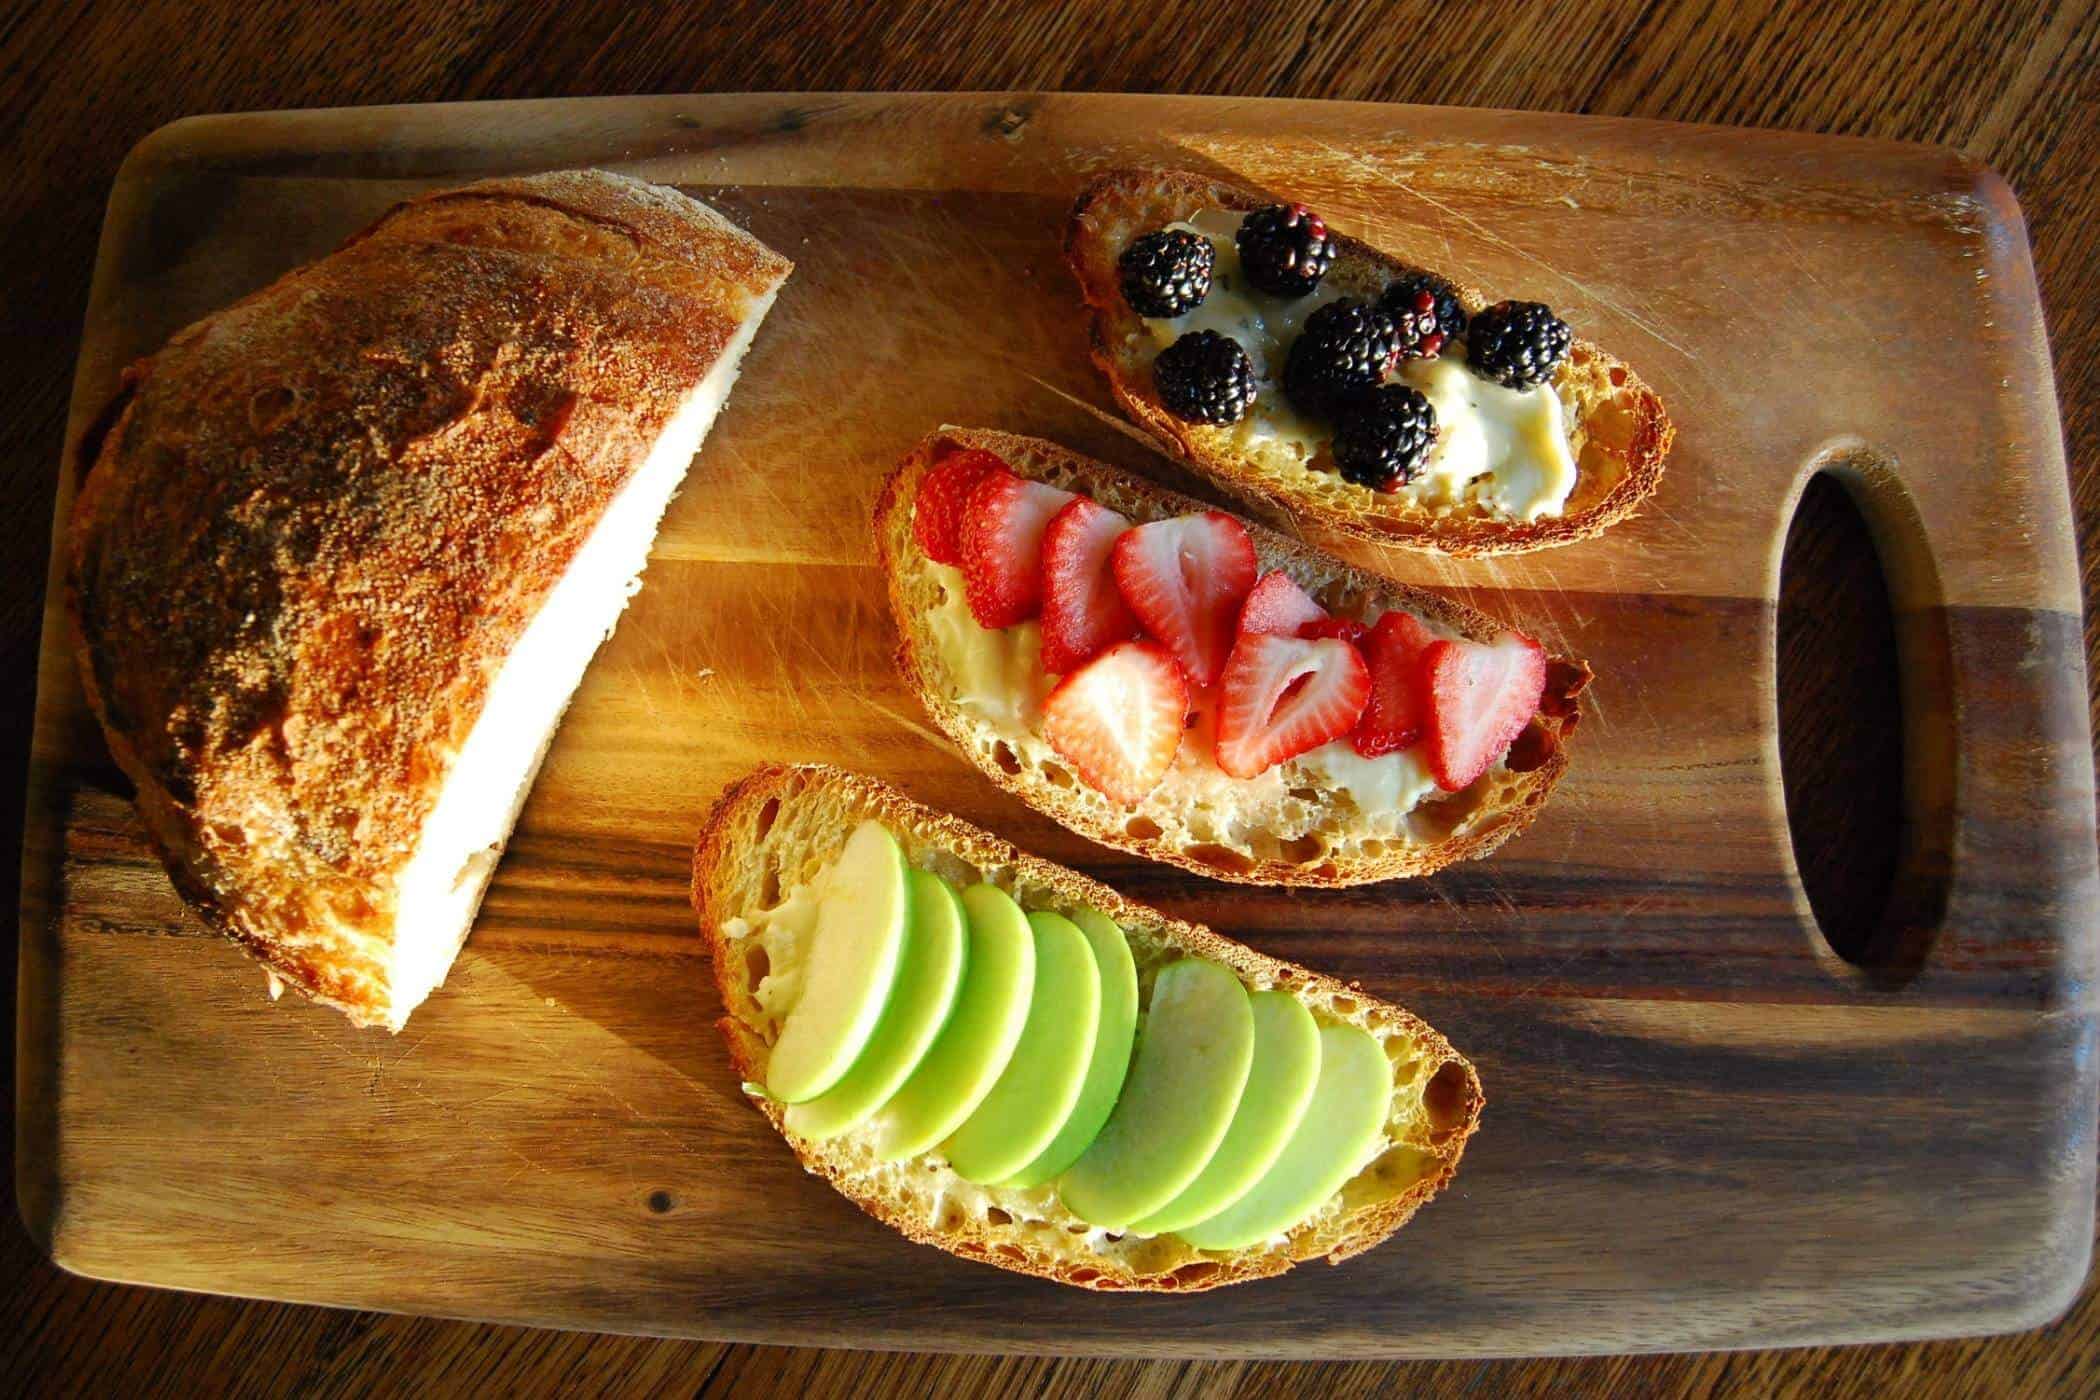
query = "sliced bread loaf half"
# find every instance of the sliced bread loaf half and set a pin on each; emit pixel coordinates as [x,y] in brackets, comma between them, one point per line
[773,832]
[1281,463]
[1315,820]
[345,548]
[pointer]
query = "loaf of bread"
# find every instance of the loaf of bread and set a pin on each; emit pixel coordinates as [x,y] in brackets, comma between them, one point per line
[773,831]
[1617,431]
[1299,831]
[344,548]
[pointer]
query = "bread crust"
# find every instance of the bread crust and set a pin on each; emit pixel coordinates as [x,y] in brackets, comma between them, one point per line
[1618,428]
[1495,808]
[1434,1125]
[314,523]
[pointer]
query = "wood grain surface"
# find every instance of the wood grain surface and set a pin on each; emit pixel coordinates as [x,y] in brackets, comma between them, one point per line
[2023,110]
[1644,944]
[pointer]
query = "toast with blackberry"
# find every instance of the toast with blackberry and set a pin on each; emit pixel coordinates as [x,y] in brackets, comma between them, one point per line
[1331,384]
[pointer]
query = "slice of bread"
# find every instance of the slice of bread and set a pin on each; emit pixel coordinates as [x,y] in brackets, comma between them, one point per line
[1617,430]
[345,548]
[774,830]
[1289,827]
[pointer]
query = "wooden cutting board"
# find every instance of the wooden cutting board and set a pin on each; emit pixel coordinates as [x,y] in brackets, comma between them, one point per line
[1704,1128]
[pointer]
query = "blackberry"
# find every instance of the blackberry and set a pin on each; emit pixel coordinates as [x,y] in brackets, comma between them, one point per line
[1204,377]
[1343,352]
[1382,440]
[1285,249]
[1517,343]
[1167,273]
[1427,311]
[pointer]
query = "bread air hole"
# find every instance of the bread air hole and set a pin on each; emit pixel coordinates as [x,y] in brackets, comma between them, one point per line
[756,964]
[769,886]
[1399,1169]
[1437,820]
[1532,748]
[1058,776]
[1142,829]
[1220,858]
[1009,762]
[995,1216]
[1344,1006]
[1193,1273]
[1083,1275]
[767,815]
[1444,1100]
[1305,849]
[1611,426]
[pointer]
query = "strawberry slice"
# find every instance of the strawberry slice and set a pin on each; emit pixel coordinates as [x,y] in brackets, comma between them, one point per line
[1279,606]
[1399,702]
[1002,546]
[1082,611]
[1185,579]
[1480,699]
[937,513]
[1119,719]
[1284,695]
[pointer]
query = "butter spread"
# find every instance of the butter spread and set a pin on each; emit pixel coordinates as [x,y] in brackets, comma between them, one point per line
[998,678]
[784,932]
[1504,450]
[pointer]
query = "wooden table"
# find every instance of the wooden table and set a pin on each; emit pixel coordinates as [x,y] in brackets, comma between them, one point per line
[2018,86]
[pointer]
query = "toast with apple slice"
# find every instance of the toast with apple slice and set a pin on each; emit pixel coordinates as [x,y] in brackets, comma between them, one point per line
[1332,384]
[775,842]
[1230,700]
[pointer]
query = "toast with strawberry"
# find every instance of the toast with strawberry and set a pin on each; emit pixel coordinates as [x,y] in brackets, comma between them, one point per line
[1169,680]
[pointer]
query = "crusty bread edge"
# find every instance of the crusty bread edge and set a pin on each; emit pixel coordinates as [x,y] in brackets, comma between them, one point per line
[166,830]
[921,828]
[1557,720]
[1462,535]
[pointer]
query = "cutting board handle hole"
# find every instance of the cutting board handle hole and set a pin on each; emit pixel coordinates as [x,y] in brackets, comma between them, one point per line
[1865,735]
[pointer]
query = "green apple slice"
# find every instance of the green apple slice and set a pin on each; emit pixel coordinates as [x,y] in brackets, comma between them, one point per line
[849,970]
[1185,1081]
[1041,1083]
[1340,1127]
[1111,1062]
[927,980]
[971,1051]
[1279,1087]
